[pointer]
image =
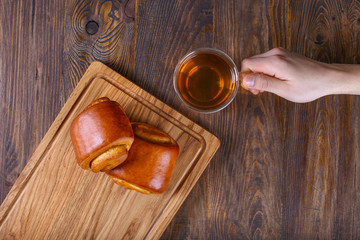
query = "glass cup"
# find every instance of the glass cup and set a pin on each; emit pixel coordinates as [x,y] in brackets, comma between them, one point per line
[206,80]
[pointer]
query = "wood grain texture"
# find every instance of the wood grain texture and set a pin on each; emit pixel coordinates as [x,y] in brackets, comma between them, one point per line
[167,30]
[113,43]
[320,165]
[32,89]
[55,198]
[284,170]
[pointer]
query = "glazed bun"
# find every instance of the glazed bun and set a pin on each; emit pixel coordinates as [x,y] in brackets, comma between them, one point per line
[150,161]
[101,135]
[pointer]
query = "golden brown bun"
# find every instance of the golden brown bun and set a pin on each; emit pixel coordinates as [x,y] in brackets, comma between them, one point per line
[150,161]
[101,135]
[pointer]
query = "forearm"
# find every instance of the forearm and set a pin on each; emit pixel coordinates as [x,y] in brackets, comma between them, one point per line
[346,79]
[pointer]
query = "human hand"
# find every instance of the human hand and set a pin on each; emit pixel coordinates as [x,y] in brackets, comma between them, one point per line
[297,78]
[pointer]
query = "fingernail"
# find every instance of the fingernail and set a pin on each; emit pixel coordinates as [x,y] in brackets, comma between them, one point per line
[249,82]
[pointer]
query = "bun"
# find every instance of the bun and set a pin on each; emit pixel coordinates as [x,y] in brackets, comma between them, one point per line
[101,135]
[150,161]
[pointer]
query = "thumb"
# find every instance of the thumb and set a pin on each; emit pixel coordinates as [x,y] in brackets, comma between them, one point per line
[263,82]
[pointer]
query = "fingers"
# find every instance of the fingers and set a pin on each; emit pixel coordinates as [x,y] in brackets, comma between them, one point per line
[266,72]
[254,91]
[270,62]
[271,65]
[255,83]
[272,52]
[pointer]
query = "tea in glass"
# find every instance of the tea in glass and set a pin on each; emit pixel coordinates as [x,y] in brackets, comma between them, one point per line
[206,80]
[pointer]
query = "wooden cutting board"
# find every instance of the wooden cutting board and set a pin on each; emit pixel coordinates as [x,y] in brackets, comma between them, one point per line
[54,198]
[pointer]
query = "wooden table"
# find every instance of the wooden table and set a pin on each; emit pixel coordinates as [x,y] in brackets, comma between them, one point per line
[284,170]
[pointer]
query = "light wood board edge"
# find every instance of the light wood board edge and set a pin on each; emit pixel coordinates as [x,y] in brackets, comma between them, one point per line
[179,196]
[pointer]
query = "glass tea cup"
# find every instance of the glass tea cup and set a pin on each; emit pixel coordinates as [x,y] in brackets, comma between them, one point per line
[206,80]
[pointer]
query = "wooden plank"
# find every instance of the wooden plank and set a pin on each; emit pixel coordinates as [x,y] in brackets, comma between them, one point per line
[326,30]
[55,198]
[355,154]
[319,166]
[251,207]
[111,40]
[31,82]
[167,30]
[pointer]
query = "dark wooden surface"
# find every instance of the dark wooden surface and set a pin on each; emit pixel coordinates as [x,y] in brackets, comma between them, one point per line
[284,170]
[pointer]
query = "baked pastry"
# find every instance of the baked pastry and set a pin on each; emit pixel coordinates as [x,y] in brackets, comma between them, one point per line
[101,135]
[150,161]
